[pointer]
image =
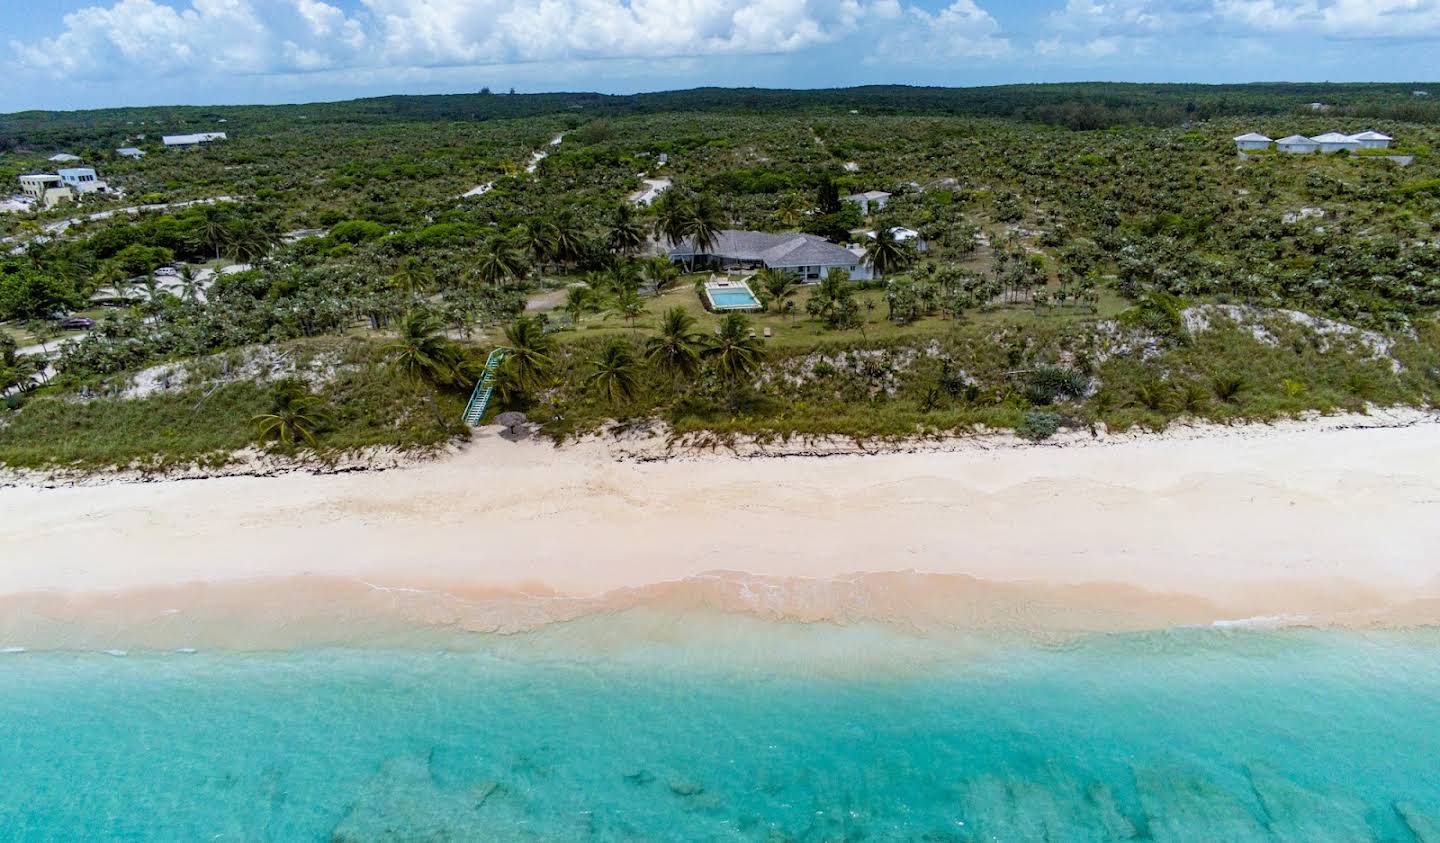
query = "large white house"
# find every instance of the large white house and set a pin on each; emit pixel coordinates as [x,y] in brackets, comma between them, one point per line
[1336,142]
[46,188]
[1252,141]
[191,141]
[808,256]
[83,180]
[1297,145]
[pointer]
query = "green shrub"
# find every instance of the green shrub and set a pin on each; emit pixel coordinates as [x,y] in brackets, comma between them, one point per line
[1039,425]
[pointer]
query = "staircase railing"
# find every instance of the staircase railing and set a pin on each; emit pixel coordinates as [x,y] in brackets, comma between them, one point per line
[480,398]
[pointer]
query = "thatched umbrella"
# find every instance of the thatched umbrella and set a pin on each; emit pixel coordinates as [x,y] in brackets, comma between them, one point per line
[514,424]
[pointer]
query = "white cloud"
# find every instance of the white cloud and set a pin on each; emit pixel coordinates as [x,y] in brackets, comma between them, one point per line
[962,30]
[1330,18]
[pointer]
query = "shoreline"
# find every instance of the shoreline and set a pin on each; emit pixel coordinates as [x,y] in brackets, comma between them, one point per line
[1328,523]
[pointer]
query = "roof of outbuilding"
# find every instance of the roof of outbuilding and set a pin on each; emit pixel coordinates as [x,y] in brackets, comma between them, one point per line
[1333,137]
[774,250]
[1294,139]
[1372,135]
[1253,136]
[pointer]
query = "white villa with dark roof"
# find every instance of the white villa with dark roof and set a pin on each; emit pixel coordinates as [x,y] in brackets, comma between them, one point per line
[808,256]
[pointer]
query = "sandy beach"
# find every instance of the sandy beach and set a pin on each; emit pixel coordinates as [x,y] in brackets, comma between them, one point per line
[1312,522]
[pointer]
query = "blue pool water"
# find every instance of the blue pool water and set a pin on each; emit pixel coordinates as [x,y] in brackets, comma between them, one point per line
[733,299]
[1189,735]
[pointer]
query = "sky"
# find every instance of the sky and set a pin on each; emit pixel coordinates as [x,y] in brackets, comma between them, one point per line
[70,54]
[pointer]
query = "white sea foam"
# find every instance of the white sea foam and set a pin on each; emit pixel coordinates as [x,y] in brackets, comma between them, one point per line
[116,653]
[1261,622]
[10,651]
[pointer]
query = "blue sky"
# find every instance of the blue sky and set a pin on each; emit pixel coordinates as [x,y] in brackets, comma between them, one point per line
[64,54]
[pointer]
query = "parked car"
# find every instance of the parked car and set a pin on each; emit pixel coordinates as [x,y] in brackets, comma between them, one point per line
[77,323]
[167,272]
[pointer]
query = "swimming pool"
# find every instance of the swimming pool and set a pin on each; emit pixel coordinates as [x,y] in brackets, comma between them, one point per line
[732,298]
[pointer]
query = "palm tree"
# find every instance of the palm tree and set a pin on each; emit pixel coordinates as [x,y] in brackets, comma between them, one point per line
[660,273]
[676,349]
[630,305]
[189,284]
[626,235]
[296,415]
[885,254]
[578,301]
[425,356]
[779,285]
[413,277]
[215,232]
[615,372]
[671,214]
[538,238]
[792,210]
[702,225]
[567,237]
[500,261]
[529,350]
[735,353]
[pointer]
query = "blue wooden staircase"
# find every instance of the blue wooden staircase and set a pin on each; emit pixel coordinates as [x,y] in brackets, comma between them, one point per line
[480,398]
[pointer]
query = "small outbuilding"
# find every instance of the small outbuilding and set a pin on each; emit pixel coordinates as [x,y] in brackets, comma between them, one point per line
[64,158]
[1336,142]
[192,141]
[1252,141]
[1297,145]
[130,152]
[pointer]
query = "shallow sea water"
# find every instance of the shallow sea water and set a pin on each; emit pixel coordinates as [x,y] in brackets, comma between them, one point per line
[1186,735]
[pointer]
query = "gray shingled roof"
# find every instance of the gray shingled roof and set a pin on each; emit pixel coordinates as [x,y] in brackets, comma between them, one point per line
[775,250]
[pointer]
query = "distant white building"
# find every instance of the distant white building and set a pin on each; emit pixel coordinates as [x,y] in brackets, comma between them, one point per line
[64,158]
[83,180]
[1319,106]
[1297,145]
[1336,142]
[191,141]
[906,235]
[1373,140]
[870,201]
[1252,141]
[1420,93]
[130,152]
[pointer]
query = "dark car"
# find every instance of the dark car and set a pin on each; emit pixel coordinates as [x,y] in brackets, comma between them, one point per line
[77,323]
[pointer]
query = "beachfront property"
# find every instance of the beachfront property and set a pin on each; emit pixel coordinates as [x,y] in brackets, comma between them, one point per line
[192,141]
[1252,141]
[83,180]
[724,295]
[870,201]
[806,255]
[130,152]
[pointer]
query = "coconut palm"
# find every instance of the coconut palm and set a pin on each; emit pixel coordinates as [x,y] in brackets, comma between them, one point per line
[792,210]
[425,356]
[702,225]
[190,287]
[676,349]
[629,304]
[296,415]
[616,374]
[529,357]
[499,261]
[579,300]
[885,254]
[660,273]
[779,285]
[413,277]
[626,235]
[735,354]
[538,238]
[215,232]
[671,214]
[567,237]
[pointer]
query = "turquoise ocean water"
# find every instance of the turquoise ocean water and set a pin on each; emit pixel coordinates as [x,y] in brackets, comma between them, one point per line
[1191,734]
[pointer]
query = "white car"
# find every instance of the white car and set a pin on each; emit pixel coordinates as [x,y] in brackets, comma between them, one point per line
[168,272]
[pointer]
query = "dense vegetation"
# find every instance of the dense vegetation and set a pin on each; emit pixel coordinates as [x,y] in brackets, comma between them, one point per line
[1096,254]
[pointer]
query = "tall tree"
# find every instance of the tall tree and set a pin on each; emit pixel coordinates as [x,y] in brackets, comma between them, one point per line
[885,254]
[615,372]
[499,261]
[529,351]
[671,214]
[425,356]
[735,353]
[676,349]
[626,235]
